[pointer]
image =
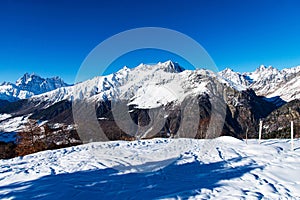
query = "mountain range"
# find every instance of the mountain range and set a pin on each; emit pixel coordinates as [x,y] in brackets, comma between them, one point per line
[267,93]
[29,85]
[268,81]
[265,81]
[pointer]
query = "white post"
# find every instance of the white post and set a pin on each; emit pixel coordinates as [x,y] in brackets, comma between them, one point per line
[292,135]
[260,130]
[247,136]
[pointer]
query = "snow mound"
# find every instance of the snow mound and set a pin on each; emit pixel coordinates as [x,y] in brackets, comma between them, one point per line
[229,139]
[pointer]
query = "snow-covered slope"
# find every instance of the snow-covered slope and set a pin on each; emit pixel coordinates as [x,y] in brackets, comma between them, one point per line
[11,92]
[289,90]
[268,81]
[235,77]
[146,86]
[223,168]
[28,86]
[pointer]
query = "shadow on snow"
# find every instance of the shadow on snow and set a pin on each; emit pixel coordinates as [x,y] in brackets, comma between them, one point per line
[172,181]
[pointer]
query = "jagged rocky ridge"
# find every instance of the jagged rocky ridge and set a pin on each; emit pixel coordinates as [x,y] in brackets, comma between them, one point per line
[144,89]
[268,82]
[29,85]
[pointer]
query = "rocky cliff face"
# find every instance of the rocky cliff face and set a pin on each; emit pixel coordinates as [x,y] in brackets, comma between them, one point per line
[277,124]
[245,109]
[242,113]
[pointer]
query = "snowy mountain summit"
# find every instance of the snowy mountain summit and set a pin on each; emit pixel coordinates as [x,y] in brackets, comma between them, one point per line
[29,85]
[38,85]
[268,81]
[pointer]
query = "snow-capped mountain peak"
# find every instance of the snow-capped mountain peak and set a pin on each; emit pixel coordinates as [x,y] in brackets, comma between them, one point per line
[268,81]
[228,70]
[173,67]
[168,66]
[25,79]
[235,77]
[39,85]
[29,85]
[261,68]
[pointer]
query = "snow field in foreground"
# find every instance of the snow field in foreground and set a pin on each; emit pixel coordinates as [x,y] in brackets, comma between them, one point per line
[222,168]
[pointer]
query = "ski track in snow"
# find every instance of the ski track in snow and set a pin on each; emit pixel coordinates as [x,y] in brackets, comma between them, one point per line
[223,168]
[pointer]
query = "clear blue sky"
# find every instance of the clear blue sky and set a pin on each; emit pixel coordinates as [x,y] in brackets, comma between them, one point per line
[52,37]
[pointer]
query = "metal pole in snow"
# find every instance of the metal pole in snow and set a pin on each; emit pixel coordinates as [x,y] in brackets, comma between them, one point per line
[292,135]
[260,130]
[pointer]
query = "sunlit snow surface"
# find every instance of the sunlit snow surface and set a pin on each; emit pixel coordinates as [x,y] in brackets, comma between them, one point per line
[224,168]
